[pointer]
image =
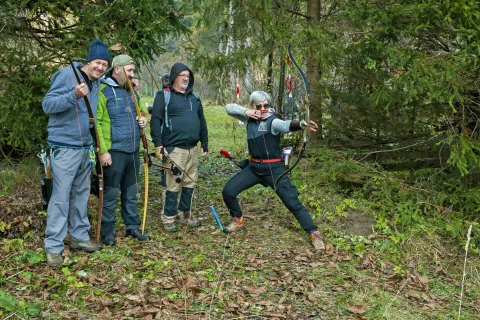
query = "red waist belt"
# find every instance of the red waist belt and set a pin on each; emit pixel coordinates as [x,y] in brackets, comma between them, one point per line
[266,160]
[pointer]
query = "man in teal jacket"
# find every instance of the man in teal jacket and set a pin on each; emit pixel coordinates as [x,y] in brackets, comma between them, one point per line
[118,127]
[71,159]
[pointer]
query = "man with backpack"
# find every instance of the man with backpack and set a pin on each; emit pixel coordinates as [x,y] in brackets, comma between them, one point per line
[177,125]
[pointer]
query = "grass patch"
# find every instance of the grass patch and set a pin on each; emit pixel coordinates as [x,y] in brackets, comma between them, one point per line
[398,269]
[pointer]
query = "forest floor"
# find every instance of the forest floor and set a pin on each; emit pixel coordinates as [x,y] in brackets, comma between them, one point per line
[267,271]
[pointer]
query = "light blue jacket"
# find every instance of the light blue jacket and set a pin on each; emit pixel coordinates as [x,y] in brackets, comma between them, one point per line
[68,122]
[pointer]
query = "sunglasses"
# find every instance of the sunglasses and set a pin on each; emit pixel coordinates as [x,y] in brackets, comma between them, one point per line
[260,106]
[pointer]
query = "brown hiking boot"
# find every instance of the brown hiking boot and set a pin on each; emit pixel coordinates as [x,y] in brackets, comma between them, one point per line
[186,218]
[235,225]
[54,260]
[317,240]
[87,246]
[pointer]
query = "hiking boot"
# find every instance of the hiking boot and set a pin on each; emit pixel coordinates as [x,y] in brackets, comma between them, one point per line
[54,260]
[235,225]
[186,218]
[109,240]
[87,246]
[137,234]
[317,240]
[170,227]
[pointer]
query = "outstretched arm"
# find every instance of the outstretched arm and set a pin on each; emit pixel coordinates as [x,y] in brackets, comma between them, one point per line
[285,126]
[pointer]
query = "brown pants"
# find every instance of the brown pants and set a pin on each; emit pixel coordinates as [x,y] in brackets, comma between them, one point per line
[186,159]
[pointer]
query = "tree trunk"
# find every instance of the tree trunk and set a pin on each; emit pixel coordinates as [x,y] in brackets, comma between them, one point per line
[270,73]
[314,75]
[281,85]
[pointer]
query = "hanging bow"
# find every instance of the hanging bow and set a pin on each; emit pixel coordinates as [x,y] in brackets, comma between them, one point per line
[98,165]
[145,148]
[307,102]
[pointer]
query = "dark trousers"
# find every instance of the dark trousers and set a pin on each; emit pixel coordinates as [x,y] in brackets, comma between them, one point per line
[267,174]
[122,175]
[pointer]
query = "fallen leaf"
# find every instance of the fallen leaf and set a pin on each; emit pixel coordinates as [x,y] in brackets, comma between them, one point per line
[423,279]
[80,262]
[134,298]
[255,291]
[357,309]
[438,271]
[191,285]
[395,278]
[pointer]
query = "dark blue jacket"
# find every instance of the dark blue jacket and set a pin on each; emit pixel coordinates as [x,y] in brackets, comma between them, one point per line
[68,122]
[186,121]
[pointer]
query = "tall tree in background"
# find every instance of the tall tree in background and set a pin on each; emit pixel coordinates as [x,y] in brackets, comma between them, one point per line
[37,37]
[314,69]
[243,38]
[257,34]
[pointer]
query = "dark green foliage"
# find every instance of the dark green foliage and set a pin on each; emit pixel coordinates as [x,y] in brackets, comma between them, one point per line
[429,200]
[39,37]
[404,71]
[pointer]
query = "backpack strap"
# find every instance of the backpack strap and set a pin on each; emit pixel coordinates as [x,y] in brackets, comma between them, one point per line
[166,96]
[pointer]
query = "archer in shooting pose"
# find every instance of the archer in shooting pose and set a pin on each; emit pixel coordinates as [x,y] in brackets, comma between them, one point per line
[73,153]
[119,131]
[266,163]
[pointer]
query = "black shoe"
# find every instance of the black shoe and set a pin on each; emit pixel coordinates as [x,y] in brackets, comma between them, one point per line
[137,234]
[109,240]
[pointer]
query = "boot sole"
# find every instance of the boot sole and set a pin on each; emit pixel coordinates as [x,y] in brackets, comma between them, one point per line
[54,266]
[85,250]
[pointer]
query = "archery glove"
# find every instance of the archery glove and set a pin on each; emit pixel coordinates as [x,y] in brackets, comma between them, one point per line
[158,152]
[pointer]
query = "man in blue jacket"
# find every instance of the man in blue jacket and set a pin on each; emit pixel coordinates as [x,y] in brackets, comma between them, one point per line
[176,129]
[71,158]
[118,127]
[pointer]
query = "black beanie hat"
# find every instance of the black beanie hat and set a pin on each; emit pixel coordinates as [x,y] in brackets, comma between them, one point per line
[98,50]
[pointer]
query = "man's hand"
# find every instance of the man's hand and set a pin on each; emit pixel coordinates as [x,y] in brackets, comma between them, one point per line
[106,159]
[204,153]
[158,152]
[135,83]
[142,122]
[81,90]
[312,126]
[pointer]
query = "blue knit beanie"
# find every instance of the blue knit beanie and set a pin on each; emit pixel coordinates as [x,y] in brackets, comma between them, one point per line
[98,50]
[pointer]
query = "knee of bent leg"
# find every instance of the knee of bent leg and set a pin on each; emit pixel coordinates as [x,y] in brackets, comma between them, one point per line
[289,196]
[228,193]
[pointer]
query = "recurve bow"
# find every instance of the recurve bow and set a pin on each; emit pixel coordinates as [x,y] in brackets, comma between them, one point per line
[98,165]
[145,148]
